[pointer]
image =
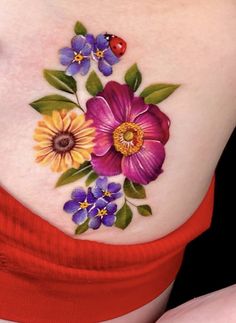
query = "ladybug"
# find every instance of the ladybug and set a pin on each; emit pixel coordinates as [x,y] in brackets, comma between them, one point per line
[117,44]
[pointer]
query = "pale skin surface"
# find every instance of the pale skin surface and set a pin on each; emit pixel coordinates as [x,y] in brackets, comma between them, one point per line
[186,42]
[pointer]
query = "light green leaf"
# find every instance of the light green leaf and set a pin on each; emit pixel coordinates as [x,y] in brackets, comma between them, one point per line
[156,93]
[123,216]
[134,190]
[144,210]
[79,29]
[47,104]
[91,178]
[93,84]
[133,77]
[60,80]
[82,227]
[72,174]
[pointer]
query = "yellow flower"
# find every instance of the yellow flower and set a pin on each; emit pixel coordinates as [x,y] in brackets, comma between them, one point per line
[64,139]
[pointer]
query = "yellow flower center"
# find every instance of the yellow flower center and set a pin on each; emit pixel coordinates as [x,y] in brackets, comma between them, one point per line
[128,138]
[84,205]
[99,53]
[107,193]
[102,212]
[78,57]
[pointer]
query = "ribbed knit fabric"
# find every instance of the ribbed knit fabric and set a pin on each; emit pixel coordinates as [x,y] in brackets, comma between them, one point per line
[49,277]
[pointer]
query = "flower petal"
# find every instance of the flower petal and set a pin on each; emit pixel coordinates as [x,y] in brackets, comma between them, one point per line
[144,166]
[90,197]
[93,212]
[101,182]
[84,66]
[86,50]
[71,206]
[138,107]
[90,39]
[101,203]
[110,57]
[78,194]
[111,208]
[78,42]
[164,122]
[73,68]
[109,220]
[107,165]
[76,156]
[119,98]
[57,120]
[66,55]
[97,192]
[80,216]
[95,222]
[101,42]
[114,187]
[104,67]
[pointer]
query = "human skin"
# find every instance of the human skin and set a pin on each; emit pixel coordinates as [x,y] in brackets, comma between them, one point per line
[184,42]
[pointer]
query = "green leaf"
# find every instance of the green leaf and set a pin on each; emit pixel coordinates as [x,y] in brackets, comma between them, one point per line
[91,178]
[133,77]
[123,216]
[82,227]
[79,29]
[134,190]
[144,210]
[156,93]
[93,84]
[47,104]
[72,174]
[60,80]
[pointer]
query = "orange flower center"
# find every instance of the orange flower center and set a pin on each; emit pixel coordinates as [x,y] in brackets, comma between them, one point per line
[107,193]
[84,205]
[102,212]
[99,53]
[78,57]
[63,142]
[128,138]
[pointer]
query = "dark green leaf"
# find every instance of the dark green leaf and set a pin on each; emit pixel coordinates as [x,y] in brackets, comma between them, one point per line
[60,80]
[156,93]
[144,210]
[79,29]
[134,190]
[93,84]
[52,102]
[91,178]
[82,227]
[72,174]
[133,77]
[123,216]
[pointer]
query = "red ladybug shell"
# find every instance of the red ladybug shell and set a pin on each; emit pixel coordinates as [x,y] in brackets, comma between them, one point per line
[117,44]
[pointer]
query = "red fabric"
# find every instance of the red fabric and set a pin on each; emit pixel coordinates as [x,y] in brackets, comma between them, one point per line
[47,276]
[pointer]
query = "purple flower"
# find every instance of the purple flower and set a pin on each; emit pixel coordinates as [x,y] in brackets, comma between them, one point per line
[103,212]
[130,135]
[102,53]
[76,58]
[80,204]
[109,192]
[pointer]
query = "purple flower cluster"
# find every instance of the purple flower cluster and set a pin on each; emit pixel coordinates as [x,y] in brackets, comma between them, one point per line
[96,205]
[83,48]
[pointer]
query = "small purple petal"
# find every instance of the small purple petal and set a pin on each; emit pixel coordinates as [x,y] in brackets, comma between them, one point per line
[116,196]
[111,208]
[86,50]
[97,192]
[80,216]
[90,197]
[104,67]
[114,187]
[101,203]
[78,194]
[95,222]
[101,42]
[110,57]
[66,55]
[78,42]
[73,68]
[109,164]
[90,39]
[71,206]
[84,66]
[101,182]
[93,212]
[108,220]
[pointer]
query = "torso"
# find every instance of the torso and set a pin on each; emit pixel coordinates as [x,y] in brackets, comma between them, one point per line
[173,42]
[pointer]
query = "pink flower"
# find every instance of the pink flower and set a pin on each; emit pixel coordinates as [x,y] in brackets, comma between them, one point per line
[130,135]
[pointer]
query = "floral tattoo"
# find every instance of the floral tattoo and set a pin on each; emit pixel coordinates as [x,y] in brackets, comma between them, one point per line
[119,132]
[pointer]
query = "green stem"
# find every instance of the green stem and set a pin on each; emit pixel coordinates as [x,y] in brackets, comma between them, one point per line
[130,202]
[77,99]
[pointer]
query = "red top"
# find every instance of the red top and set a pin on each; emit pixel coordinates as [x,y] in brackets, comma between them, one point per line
[47,276]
